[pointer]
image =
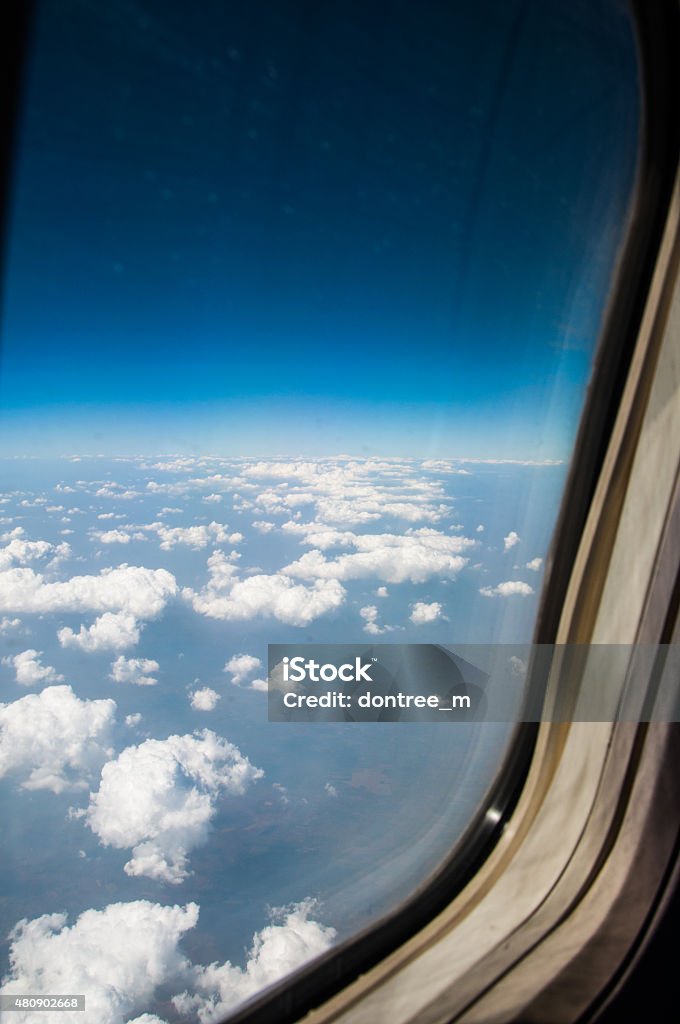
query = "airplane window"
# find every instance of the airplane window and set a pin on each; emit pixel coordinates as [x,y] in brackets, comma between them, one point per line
[300,307]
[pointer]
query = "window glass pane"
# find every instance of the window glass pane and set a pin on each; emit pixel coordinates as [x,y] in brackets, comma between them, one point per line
[299,312]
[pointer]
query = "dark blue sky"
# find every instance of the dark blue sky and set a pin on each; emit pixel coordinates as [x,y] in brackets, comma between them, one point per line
[303,227]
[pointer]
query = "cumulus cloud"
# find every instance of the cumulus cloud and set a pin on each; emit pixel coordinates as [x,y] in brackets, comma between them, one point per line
[241,666]
[382,592]
[394,558]
[263,526]
[370,614]
[330,789]
[422,612]
[8,625]
[349,491]
[54,740]
[535,564]
[30,671]
[195,537]
[134,670]
[204,699]
[19,551]
[290,940]
[116,491]
[277,596]
[510,541]
[158,799]
[117,956]
[122,955]
[141,592]
[112,631]
[113,537]
[260,685]
[507,589]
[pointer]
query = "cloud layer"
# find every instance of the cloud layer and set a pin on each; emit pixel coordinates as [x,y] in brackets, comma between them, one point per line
[119,956]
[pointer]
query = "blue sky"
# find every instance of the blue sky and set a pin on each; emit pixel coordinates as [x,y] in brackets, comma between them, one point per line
[278,230]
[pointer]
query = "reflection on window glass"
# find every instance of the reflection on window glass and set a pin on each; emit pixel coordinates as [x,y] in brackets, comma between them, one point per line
[299,312]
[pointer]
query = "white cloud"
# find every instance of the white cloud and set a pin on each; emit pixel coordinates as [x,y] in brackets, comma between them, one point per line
[510,541]
[117,956]
[179,465]
[158,799]
[113,537]
[508,589]
[204,699]
[370,614]
[241,666]
[282,791]
[443,466]
[382,592]
[228,597]
[8,625]
[133,720]
[121,955]
[195,537]
[212,499]
[480,528]
[535,564]
[54,739]
[134,670]
[261,685]
[13,534]
[263,526]
[19,551]
[330,789]
[291,940]
[116,491]
[29,670]
[422,613]
[394,558]
[142,592]
[349,491]
[112,631]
